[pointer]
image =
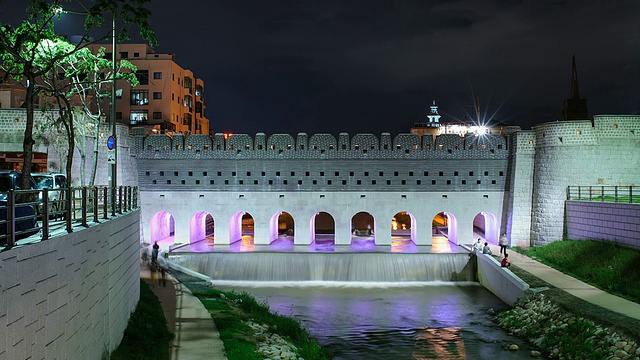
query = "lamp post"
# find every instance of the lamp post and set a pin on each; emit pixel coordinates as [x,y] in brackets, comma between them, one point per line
[113,176]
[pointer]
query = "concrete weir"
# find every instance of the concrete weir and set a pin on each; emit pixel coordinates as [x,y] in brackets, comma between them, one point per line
[338,267]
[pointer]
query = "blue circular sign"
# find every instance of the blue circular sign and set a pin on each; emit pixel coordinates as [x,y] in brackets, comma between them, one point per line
[111,143]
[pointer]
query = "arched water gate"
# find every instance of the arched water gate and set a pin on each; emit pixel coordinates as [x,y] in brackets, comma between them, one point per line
[323,227]
[486,225]
[404,226]
[201,226]
[281,224]
[162,227]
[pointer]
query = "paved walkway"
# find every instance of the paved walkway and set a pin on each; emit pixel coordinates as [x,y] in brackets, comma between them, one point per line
[195,334]
[572,286]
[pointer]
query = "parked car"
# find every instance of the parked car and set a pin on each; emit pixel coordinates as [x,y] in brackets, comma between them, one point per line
[52,181]
[27,224]
[10,180]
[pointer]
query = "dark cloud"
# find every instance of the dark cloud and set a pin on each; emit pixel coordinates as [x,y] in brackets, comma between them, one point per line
[375,66]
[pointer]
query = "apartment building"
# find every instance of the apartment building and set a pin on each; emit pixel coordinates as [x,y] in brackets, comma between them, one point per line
[169,98]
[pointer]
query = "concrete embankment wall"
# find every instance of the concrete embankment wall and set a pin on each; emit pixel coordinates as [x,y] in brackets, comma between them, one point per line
[500,281]
[70,297]
[614,222]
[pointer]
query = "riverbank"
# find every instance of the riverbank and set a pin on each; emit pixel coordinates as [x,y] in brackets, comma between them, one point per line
[561,324]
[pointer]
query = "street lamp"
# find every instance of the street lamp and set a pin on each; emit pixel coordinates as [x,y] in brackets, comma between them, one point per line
[112,143]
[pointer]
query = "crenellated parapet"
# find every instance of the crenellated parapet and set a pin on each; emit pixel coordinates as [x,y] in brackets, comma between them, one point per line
[319,146]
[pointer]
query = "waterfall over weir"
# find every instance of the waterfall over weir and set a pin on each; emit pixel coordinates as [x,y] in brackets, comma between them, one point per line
[339,267]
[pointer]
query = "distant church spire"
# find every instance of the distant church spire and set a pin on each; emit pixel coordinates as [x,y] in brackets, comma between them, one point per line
[574,107]
[575,92]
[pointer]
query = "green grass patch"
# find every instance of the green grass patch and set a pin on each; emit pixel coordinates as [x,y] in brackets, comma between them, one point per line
[605,265]
[230,310]
[146,336]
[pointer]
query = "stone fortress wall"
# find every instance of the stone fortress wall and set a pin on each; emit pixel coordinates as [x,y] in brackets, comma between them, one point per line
[577,153]
[529,169]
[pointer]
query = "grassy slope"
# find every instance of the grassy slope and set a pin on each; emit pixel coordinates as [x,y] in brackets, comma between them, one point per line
[146,336]
[610,267]
[230,311]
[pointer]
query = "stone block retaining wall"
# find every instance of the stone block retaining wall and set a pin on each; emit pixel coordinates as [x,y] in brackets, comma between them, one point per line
[603,221]
[70,297]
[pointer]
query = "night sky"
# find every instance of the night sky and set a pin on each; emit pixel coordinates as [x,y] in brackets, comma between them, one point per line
[376,66]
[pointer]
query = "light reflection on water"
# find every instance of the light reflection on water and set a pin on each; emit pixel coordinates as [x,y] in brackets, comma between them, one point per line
[410,322]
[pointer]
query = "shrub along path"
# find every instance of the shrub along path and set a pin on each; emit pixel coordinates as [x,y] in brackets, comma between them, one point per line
[577,296]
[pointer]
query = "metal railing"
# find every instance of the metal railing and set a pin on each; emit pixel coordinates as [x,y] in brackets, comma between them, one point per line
[26,213]
[618,194]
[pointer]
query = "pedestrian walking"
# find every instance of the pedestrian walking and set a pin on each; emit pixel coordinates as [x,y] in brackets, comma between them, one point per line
[503,242]
[154,253]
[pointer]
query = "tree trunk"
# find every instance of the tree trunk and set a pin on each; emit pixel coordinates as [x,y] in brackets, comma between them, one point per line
[27,144]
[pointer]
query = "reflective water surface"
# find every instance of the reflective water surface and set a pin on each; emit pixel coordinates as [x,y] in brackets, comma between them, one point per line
[369,321]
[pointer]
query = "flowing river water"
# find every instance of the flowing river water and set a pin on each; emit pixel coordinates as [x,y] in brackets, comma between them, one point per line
[371,305]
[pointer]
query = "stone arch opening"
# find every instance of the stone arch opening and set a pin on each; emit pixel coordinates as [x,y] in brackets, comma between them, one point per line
[403,228]
[362,228]
[281,225]
[162,228]
[201,227]
[485,226]
[323,228]
[241,227]
[444,227]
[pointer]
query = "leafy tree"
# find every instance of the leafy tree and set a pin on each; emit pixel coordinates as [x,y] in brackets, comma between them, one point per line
[87,77]
[20,46]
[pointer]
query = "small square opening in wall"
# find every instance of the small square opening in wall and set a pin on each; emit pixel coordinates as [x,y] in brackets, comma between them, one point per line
[321,196]
[403,196]
[241,182]
[329,182]
[175,173]
[363,196]
[190,173]
[373,182]
[155,182]
[299,182]
[197,182]
[478,182]
[212,182]
[201,196]
[161,173]
[444,196]
[433,182]
[233,173]
[388,182]
[493,182]
[315,182]
[263,173]
[240,196]
[344,182]
[485,196]
[404,182]
[285,182]
[448,182]
[226,182]
[464,182]
[169,182]
[281,196]
[162,196]
[204,173]
[270,182]
[147,173]
[255,182]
